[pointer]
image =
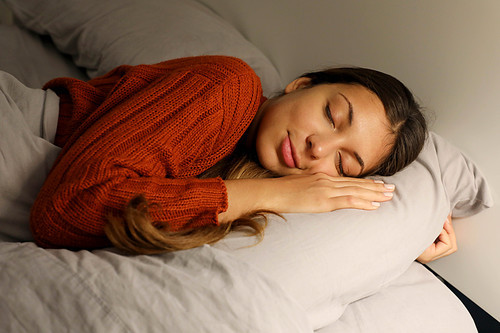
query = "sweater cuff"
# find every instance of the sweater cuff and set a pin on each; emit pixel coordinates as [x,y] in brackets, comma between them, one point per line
[224,202]
[197,203]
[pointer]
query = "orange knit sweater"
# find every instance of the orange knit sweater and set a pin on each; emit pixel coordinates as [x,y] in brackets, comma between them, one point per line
[147,129]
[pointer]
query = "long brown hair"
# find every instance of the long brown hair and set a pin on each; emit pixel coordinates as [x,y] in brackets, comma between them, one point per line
[135,232]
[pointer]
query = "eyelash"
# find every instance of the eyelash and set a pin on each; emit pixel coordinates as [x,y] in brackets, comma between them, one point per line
[329,115]
[339,166]
[330,119]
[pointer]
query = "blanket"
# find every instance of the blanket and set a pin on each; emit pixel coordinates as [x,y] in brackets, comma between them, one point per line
[199,290]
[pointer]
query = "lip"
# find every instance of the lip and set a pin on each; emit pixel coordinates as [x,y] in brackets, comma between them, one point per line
[287,151]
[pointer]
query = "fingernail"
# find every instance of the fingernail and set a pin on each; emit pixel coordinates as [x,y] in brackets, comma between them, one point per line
[378,181]
[388,194]
[390,186]
[376,204]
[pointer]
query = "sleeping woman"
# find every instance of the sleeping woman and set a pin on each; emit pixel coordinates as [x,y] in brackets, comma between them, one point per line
[165,157]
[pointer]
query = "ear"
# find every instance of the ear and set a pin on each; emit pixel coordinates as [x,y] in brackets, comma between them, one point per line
[301,82]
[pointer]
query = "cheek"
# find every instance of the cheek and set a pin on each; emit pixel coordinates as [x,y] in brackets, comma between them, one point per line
[269,135]
[264,147]
[324,167]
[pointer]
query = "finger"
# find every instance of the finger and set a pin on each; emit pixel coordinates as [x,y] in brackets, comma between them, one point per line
[362,193]
[445,246]
[353,202]
[447,253]
[350,179]
[428,255]
[367,184]
[447,222]
[371,183]
[448,227]
[443,243]
[441,235]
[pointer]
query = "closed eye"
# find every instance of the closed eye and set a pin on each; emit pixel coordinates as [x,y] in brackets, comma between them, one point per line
[340,167]
[329,115]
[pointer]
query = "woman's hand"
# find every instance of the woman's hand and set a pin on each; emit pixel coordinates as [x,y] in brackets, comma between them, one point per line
[322,193]
[444,245]
[304,194]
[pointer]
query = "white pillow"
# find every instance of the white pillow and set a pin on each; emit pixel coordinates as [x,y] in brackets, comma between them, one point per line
[326,261]
[101,35]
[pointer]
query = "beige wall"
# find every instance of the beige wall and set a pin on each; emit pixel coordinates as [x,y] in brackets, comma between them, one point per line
[447,52]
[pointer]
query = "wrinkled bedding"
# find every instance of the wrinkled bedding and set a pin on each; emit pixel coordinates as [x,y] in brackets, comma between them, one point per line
[199,290]
[28,119]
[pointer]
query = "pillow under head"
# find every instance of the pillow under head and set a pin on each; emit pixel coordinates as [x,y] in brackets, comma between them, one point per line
[326,261]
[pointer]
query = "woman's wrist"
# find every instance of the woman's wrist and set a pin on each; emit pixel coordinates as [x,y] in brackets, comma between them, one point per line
[246,195]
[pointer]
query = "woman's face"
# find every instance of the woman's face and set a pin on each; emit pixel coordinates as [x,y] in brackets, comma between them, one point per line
[336,129]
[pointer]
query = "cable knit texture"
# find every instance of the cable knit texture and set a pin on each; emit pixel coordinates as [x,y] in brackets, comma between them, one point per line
[147,129]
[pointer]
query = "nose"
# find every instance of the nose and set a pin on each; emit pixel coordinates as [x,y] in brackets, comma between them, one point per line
[320,146]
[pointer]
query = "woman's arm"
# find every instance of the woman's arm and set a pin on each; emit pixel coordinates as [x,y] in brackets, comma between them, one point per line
[157,128]
[303,194]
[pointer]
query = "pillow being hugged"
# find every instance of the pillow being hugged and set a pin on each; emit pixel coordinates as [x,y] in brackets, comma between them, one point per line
[101,35]
[326,261]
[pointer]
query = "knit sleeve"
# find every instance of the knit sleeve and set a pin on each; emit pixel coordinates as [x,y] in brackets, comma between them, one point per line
[157,129]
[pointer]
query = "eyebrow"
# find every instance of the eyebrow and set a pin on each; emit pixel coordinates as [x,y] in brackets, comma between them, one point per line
[360,161]
[351,112]
[350,116]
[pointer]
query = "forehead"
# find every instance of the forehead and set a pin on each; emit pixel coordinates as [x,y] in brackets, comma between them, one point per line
[375,145]
[358,93]
[371,135]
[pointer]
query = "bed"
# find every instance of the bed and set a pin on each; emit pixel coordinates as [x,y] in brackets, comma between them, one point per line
[345,271]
